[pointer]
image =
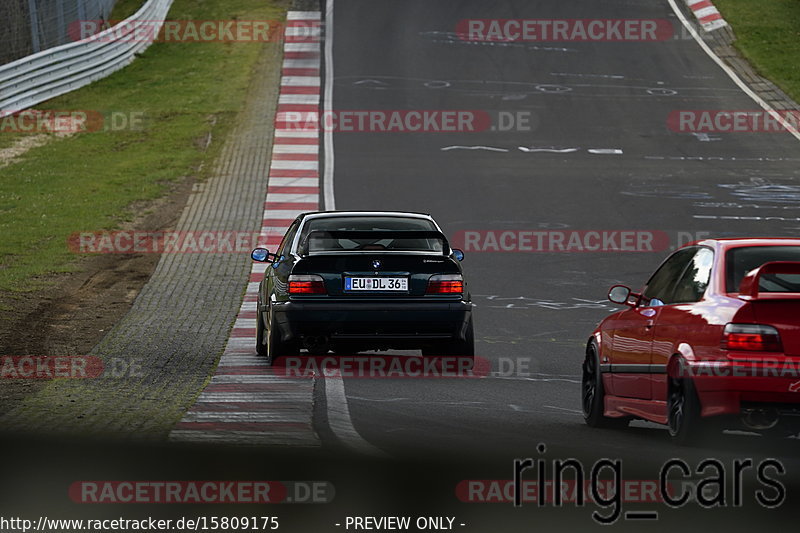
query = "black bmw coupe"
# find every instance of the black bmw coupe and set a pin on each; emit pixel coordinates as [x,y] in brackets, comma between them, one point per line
[352,281]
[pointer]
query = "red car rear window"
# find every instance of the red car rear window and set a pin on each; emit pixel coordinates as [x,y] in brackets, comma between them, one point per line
[740,261]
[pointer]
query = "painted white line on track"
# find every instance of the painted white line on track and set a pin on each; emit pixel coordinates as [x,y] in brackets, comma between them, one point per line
[293,182]
[460,147]
[301,63]
[310,99]
[285,214]
[295,149]
[525,378]
[294,165]
[338,410]
[573,411]
[731,74]
[605,151]
[301,47]
[303,15]
[339,419]
[330,203]
[291,132]
[300,81]
[292,197]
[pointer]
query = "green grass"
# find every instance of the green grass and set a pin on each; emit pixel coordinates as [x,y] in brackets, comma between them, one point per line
[768,35]
[87,182]
[125,8]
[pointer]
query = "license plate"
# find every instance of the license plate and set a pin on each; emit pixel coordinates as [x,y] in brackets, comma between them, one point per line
[375,284]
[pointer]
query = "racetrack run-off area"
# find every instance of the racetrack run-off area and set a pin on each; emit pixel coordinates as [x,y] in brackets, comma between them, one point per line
[245,402]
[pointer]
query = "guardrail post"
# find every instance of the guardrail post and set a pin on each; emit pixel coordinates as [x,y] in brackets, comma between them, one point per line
[62,30]
[35,44]
[81,10]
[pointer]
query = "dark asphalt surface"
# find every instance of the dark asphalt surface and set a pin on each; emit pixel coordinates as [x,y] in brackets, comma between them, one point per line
[539,308]
[534,311]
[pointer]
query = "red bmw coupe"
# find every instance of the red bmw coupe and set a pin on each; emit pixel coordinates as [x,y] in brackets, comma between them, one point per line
[711,342]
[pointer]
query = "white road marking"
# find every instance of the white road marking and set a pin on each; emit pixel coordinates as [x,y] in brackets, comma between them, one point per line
[301,63]
[328,198]
[339,418]
[301,47]
[308,99]
[295,149]
[302,15]
[605,151]
[338,411]
[292,182]
[299,117]
[564,409]
[705,137]
[288,214]
[293,165]
[458,147]
[549,149]
[291,197]
[609,76]
[300,81]
[303,31]
[363,399]
[291,132]
[496,375]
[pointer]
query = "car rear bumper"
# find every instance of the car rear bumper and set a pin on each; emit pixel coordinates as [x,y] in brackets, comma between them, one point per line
[725,386]
[411,324]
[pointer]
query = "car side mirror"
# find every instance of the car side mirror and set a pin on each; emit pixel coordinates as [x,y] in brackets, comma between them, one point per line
[261,255]
[458,254]
[619,294]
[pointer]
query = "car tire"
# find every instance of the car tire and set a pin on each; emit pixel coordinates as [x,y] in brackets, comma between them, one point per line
[684,423]
[593,395]
[261,348]
[464,350]
[269,343]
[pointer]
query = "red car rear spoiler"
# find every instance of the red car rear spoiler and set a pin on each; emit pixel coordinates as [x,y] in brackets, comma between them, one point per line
[748,289]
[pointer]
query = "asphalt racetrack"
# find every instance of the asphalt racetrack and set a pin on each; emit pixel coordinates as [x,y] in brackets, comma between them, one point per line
[573,139]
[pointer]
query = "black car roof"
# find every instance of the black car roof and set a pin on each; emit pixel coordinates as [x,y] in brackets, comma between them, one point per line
[365,213]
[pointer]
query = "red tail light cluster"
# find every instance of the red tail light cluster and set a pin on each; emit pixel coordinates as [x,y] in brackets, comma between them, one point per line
[751,338]
[306,284]
[445,284]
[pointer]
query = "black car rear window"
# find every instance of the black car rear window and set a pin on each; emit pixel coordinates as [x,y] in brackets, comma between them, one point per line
[368,223]
[740,261]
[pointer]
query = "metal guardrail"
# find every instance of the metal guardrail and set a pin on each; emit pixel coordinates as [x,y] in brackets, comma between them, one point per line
[55,71]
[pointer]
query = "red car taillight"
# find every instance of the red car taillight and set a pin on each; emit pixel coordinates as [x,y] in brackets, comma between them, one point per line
[751,338]
[445,284]
[306,284]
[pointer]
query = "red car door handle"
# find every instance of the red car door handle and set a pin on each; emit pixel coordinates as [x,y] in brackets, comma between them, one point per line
[648,324]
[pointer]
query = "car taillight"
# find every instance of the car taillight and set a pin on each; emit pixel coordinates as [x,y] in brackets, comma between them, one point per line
[445,284]
[306,284]
[752,338]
